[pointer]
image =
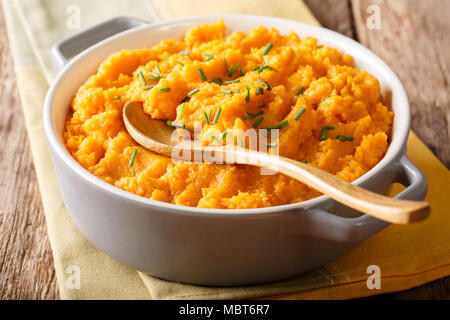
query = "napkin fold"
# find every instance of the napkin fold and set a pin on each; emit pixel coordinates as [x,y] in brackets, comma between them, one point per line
[408,256]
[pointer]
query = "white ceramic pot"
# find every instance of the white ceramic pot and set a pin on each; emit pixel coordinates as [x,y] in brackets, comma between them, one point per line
[211,246]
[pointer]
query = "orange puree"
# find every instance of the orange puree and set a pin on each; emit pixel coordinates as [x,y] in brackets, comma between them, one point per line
[295,75]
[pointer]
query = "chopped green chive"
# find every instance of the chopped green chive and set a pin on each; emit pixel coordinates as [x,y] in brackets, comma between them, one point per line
[216,117]
[238,91]
[190,94]
[253,115]
[208,56]
[324,134]
[116,97]
[263,106]
[217,80]
[175,124]
[226,65]
[272,145]
[191,131]
[280,126]
[148,87]
[154,74]
[132,172]
[346,138]
[163,89]
[158,69]
[304,161]
[259,90]
[241,72]
[299,114]
[206,117]
[232,68]
[258,122]
[262,67]
[133,157]
[180,63]
[299,92]
[185,53]
[227,91]
[223,136]
[202,74]
[232,81]
[180,116]
[267,49]
[141,76]
[247,98]
[265,84]
[154,78]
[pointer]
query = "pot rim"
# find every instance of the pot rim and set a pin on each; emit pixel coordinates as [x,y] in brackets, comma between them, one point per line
[395,151]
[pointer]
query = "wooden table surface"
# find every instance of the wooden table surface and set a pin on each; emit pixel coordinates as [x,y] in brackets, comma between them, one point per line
[413,40]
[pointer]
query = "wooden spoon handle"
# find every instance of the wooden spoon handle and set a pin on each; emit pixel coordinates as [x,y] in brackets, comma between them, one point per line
[381,207]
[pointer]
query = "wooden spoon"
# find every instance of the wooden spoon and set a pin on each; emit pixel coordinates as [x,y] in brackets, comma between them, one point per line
[156,136]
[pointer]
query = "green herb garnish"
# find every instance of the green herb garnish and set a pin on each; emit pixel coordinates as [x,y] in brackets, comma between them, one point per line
[232,68]
[258,122]
[259,90]
[265,84]
[163,89]
[148,87]
[267,49]
[175,124]
[299,114]
[216,117]
[158,69]
[272,145]
[210,57]
[346,138]
[227,91]
[299,92]
[180,63]
[116,97]
[190,94]
[247,98]
[206,117]
[226,65]
[133,157]
[202,74]
[304,161]
[253,115]
[217,80]
[141,76]
[232,81]
[185,53]
[324,134]
[180,116]
[241,72]
[280,126]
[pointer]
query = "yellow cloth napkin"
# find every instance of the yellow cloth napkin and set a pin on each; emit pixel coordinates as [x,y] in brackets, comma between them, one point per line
[407,255]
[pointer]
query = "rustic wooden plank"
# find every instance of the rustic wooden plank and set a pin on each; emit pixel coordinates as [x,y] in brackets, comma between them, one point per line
[26,263]
[413,40]
[333,14]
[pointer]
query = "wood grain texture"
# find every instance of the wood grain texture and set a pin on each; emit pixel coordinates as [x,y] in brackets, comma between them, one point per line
[26,266]
[413,40]
[26,263]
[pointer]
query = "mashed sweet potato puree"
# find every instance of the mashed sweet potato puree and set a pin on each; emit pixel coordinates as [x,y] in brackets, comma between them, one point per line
[329,113]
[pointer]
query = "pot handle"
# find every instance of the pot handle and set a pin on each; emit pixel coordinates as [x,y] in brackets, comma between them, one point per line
[67,48]
[319,223]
